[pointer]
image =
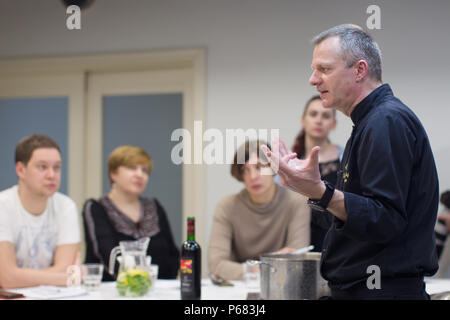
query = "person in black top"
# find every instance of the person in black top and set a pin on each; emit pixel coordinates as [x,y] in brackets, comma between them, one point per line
[123,215]
[381,243]
[317,123]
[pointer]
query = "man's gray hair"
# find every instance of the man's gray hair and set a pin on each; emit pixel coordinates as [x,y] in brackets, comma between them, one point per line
[356,45]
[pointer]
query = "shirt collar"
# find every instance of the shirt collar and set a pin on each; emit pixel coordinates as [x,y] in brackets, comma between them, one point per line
[363,108]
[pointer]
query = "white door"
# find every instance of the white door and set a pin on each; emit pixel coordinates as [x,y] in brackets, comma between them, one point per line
[48,104]
[142,109]
[83,94]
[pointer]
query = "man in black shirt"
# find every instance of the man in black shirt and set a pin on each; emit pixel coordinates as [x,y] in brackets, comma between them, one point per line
[381,243]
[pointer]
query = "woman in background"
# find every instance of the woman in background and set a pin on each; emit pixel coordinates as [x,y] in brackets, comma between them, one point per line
[263,217]
[123,215]
[317,123]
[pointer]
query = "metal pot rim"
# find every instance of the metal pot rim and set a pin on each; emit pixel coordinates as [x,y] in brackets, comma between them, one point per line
[308,256]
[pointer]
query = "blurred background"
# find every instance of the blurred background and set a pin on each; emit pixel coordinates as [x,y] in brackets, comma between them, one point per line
[138,69]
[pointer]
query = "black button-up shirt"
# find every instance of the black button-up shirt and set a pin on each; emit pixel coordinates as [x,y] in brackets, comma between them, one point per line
[389,179]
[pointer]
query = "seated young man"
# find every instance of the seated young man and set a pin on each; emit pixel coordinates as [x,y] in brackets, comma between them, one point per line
[39,231]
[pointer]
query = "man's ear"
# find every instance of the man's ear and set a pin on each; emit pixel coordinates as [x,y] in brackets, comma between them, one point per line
[20,169]
[361,70]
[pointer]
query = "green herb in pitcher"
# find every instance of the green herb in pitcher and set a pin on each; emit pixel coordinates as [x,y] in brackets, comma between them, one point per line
[133,283]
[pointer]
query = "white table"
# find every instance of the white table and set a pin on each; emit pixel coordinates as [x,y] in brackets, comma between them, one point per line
[435,285]
[170,290]
[163,290]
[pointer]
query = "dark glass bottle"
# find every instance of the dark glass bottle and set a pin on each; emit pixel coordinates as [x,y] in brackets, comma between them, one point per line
[191,265]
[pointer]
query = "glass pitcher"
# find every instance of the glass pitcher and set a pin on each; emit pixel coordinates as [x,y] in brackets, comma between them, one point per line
[133,278]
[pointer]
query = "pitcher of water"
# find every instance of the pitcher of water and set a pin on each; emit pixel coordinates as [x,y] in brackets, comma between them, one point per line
[133,279]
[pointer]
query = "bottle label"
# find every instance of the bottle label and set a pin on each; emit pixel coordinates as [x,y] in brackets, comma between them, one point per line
[186,266]
[186,276]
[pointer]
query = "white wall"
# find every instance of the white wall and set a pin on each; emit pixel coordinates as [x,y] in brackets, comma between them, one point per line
[258,56]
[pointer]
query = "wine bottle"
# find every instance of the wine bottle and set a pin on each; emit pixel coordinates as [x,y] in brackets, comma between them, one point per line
[190,265]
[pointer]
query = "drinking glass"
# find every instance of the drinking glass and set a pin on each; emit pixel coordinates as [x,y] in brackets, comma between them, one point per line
[251,276]
[92,276]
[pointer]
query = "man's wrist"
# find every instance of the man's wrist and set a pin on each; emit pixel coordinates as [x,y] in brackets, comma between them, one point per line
[320,191]
[321,204]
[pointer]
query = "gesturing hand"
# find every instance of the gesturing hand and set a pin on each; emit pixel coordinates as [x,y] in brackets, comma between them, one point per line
[301,176]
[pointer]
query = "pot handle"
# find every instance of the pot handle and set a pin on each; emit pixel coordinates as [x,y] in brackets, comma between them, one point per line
[255,262]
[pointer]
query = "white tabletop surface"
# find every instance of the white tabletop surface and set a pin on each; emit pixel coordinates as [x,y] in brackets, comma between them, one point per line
[170,290]
[435,285]
[163,290]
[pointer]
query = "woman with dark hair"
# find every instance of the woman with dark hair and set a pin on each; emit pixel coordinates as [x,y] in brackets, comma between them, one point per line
[317,123]
[263,217]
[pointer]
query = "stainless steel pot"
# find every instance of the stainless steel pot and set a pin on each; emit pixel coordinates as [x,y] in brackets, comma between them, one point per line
[288,276]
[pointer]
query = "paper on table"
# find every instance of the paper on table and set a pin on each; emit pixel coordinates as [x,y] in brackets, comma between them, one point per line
[436,285]
[52,292]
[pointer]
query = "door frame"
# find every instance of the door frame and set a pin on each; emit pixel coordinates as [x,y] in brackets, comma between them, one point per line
[136,83]
[67,85]
[190,63]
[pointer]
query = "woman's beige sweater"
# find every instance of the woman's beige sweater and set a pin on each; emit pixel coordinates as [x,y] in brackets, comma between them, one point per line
[243,230]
